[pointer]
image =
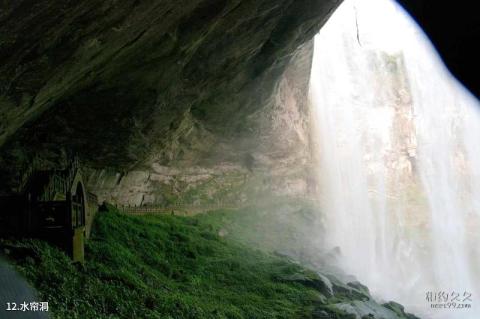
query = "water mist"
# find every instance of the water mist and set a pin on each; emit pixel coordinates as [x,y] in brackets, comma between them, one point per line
[399,163]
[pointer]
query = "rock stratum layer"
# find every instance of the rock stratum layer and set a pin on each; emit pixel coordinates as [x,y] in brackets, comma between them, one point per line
[114,80]
[134,85]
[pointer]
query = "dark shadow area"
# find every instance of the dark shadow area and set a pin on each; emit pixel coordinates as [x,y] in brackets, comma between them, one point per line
[454,29]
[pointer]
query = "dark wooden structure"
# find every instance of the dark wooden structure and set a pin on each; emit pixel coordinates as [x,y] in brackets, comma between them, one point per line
[53,205]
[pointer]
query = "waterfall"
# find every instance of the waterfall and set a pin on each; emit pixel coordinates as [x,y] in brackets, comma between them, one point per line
[399,163]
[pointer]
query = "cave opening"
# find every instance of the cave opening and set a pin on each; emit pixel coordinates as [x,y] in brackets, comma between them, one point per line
[396,137]
[239,159]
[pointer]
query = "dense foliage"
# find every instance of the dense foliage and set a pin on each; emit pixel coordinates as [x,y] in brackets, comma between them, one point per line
[165,267]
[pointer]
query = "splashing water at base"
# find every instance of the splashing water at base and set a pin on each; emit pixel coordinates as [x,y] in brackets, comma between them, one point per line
[399,161]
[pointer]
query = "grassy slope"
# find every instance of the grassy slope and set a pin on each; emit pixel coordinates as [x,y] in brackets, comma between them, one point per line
[270,228]
[179,267]
[165,267]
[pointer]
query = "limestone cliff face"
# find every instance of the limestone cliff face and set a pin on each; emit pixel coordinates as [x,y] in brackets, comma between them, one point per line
[113,80]
[269,159]
[155,89]
[161,99]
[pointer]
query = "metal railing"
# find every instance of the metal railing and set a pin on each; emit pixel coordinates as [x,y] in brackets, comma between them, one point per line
[153,209]
[195,209]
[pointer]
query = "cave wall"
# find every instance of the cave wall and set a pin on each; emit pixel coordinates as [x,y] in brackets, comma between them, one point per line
[164,101]
[115,81]
[270,160]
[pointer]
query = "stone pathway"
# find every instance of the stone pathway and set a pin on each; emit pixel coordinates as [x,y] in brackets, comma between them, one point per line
[15,289]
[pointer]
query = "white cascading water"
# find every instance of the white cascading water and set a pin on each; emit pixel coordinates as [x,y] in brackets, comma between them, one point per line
[398,141]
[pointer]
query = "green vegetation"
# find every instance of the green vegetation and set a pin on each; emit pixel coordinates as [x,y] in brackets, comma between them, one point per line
[282,226]
[165,267]
[172,267]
